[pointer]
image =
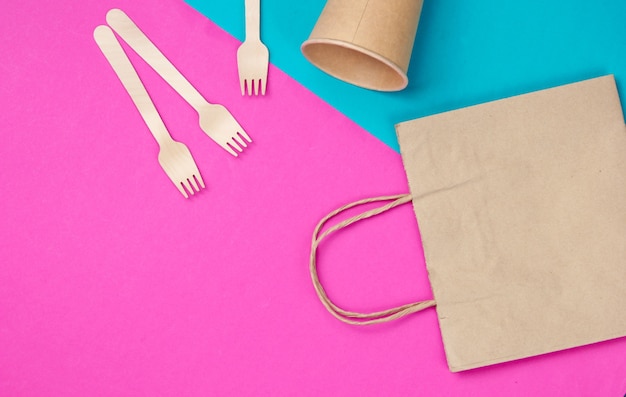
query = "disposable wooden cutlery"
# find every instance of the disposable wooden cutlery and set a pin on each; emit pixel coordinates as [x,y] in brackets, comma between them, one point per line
[174,157]
[253,56]
[215,120]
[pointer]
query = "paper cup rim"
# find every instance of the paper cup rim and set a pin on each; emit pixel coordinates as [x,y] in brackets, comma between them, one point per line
[351,46]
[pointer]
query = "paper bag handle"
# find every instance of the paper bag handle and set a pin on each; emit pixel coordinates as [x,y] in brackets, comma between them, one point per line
[348,316]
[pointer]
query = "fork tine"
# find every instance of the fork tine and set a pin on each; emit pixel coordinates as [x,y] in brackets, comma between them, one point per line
[243,134]
[229,149]
[242,142]
[181,189]
[199,179]
[257,86]
[242,83]
[235,145]
[193,183]
[263,85]
[186,184]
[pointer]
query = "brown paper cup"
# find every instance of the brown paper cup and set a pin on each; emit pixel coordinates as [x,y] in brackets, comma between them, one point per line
[367,43]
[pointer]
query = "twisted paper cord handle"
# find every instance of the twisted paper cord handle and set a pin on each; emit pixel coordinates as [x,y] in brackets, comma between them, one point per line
[348,316]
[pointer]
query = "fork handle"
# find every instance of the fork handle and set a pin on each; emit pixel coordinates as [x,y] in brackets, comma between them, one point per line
[127,74]
[138,41]
[253,19]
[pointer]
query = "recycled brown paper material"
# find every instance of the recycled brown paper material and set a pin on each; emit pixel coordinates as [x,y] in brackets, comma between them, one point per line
[521,204]
[365,42]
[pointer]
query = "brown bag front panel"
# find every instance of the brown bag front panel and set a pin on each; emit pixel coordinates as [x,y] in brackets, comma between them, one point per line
[521,205]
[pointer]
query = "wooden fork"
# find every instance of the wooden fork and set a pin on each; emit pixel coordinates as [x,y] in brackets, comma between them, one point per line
[174,157]
[253,56]
[215,120]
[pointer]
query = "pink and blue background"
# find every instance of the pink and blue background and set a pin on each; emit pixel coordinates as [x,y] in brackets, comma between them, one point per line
[112,284]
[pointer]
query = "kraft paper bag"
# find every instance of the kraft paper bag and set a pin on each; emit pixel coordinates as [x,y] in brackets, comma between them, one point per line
[521,205]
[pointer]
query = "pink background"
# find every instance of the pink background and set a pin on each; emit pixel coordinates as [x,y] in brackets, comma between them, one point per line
[112,284]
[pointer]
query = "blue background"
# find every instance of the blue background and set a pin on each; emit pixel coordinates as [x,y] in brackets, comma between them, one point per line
[466,52]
